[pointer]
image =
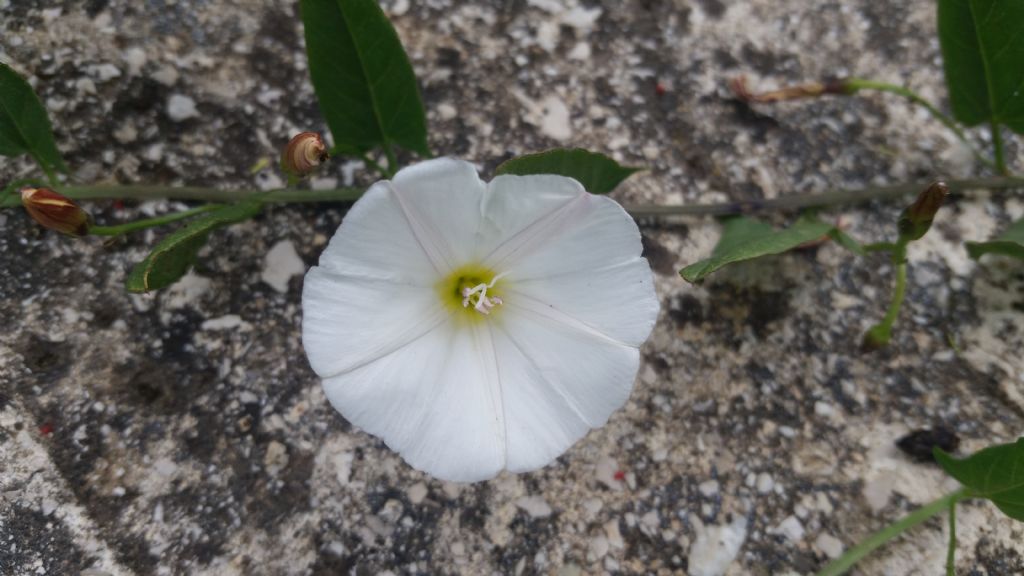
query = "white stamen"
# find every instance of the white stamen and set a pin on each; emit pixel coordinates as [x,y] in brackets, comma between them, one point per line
[482,304]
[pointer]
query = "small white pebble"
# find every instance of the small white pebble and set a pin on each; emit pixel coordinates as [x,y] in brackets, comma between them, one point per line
[417,493]
[181,108]
[135,57]
[598,548]
[446,111]
[791,528]
[104,72]
[166,75]
[535,506]
[708,488]
[280,264]
[829,544]
[823,409]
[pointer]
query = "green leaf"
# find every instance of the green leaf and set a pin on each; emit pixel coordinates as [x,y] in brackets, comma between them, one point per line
[598,173]
[844,240]
[24,125]
[176,253]
[362,77]
[745,239]
[739,230]
[1009,243]
[995,473]
[9,200]
[982,50]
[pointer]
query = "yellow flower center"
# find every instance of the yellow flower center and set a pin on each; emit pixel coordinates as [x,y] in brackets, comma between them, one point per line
[472,292]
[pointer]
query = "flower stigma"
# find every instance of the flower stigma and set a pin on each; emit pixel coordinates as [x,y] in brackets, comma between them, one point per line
[482,304]
[471,289]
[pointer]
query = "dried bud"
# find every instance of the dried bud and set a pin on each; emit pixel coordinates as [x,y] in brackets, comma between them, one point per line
[55,211]
[810,90]
[304,152]
[917,218]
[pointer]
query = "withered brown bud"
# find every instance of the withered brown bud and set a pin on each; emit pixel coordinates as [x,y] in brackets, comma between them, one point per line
[55,211]
[303,154]
[917,218]
[739,87]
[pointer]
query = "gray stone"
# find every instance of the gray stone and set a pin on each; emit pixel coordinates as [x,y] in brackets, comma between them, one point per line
[216,451]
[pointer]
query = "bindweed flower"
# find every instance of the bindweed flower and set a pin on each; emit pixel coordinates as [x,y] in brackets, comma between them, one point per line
[303,154]
[476,326]
[55,211]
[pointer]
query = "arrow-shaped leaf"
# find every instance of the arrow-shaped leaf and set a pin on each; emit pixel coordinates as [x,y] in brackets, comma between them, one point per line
[995,473]
[24,125]
[598,173]
[175,254]
[1009,243]
[745,239]
[362,77]
[983,50]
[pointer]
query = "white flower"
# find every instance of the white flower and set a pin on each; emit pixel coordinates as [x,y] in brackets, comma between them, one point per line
[478,327]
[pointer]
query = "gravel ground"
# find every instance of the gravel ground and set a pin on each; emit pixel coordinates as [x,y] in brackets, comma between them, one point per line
[184,433]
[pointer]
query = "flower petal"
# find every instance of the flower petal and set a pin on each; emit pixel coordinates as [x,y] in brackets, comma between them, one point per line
[552,226]
[541,421]
[432,402]
[559,378]
[441,200]
[375,241]
[350,319]
[618,300]
[521,212]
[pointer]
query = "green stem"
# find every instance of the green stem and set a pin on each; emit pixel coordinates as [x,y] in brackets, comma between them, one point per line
[856,84]
[146,192]
[51,176]
[880,334]
[997,148]
[392,160]
[127,227]
[899,258]
[951,553]
[373,164]
[10,196]
[879,247]
[790,203]
[857,553]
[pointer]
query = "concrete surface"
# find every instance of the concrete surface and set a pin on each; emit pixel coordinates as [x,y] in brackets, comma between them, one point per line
[183,432]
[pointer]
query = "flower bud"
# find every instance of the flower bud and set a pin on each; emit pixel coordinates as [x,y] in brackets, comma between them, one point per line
[55,211]
[917,218]
[304,152]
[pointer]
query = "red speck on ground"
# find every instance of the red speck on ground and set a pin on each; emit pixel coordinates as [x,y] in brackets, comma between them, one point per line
[46,429]
[660,89]
[620,475]
[118,204]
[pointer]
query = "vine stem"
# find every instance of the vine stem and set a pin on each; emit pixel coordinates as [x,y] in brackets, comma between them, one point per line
[371,163]
[898,293]
[857,553]
[792,202]
[389,152]
[848,86]
[997,148]
[880,334]
[127,227]
[951,552]
[856,84]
